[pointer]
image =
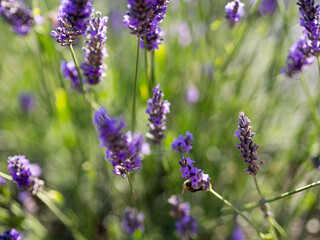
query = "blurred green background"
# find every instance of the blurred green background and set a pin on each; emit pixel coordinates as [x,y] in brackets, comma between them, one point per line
[58,134]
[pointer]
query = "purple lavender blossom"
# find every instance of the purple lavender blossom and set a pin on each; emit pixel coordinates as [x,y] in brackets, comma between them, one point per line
[192,94]
[69,71]
[197,180]
[238,234]
[299,56]
[234,12]
[2,181]
[310,20]
[121,153]
[17,15]
[143,18]
[29,204]
[132,220]
[183,144]
[20,170]
[27,102]
[186,225]
[95,49]
[157,109]
[268,6]
[246,146]
[11,235]
[73,18]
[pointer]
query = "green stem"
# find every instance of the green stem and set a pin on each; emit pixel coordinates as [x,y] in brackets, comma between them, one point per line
[60,215]
[265,210]
[230,205]
[153,78]
[133,118]
[74,57]
[311,103]
[147,67]
[133,203]
[243,33]
[6,176]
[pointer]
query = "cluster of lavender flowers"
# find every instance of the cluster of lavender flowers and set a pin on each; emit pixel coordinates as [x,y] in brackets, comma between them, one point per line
[143,18]
[234,12]
[157,109]
[17,15]
[122,150]
[186,225]
[310,21]
[11,235]
[25,174]
[197,180]
[73,18]
[132,220]
[183,144]
[246,146]
[95,49]
[299,56]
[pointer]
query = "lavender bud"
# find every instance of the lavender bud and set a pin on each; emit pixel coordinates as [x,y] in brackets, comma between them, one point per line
[69,71]
[17,15]
[268,6]
[197,180]
[234,12]
[246,146]
[21,172]
[157,110]
[11,235]
[183,144]
[299,56]
[186,225]
[121,153]
[95,49]
[238,234]
[132,220]
[73,18]
[310,21]
[27,102]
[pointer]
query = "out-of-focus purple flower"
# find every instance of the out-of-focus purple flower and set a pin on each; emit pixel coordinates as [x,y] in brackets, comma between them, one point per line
[11,235]
[197,180]
[143,18]
[69,71]
[183,144]
[234,12]
[132,220]
[28,202]
[192,94]
[27,102]
[186,225]
[238,234]
[185,37]
[299,56]
[73,18]
[268,6]
[157,109]
[246,146]
[310,20]
[115,21]
[95,49]
[2,181]
[20,170]
[122,154]
[17,15]
[316,162]
[137,143]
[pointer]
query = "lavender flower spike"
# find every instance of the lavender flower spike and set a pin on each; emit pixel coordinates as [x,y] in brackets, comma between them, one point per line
[234,12]
[95,49]
[132,220]
[246,146]
[157,110]
[121,153]
[299,56]
[310,20]
[22,173]
[197,180]
[69,71]
[17,15]
[183,144]
[73,18]
[11,235]
[186,225]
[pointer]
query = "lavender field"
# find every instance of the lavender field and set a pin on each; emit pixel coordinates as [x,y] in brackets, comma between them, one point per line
[159,119]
